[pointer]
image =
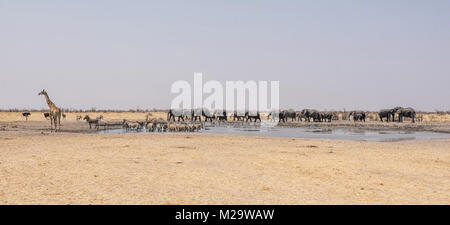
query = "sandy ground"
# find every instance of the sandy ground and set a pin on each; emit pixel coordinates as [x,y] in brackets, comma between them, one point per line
[70,168]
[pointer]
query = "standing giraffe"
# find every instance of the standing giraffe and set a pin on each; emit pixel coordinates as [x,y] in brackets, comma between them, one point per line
[55,112]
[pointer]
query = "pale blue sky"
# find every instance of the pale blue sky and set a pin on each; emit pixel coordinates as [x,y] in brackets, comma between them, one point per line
[126,54]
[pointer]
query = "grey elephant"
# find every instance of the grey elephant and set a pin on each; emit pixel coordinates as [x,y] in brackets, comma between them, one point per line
[326,116]
[386,113]
[405,112]
[307,114]
[280,115]
[358,116]
[290,114]
[315,115]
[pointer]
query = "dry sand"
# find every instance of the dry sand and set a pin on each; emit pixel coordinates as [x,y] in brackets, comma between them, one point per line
[68,168]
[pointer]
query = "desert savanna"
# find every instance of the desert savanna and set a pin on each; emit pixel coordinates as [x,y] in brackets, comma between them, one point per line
[80,166]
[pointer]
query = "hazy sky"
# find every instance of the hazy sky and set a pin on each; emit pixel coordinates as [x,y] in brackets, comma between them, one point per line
[126,54]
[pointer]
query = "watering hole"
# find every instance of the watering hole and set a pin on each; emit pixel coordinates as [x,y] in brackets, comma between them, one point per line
[340,134]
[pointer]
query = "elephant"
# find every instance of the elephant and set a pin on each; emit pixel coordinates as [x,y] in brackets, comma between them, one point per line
[327,116]
[315,115]
[310,113]
[299,115]
[280,115]
[358,116]
[405,112]
[304,114]
[290,114]
[386,113]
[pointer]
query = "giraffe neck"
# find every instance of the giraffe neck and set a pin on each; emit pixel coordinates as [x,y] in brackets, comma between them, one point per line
[49,102]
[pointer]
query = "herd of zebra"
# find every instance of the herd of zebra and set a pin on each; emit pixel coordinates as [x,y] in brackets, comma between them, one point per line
[160,125]
[150,125]
[307,115]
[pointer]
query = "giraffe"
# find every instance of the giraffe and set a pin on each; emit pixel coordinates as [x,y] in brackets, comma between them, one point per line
[55,112]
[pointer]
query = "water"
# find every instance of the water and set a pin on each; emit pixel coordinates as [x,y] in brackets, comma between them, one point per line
[340,134]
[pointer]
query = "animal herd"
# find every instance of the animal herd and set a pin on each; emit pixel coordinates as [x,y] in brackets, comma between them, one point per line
[307,115]
[160,125]
[389,114]
[396,114]
[150,125]
[195,115]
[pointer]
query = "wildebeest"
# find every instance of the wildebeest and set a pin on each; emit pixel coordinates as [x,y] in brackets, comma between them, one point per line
[196,114]
[222,115]
[252,115]
[405,112]
[26,115]
[238,116]
[208,115]
[91,121]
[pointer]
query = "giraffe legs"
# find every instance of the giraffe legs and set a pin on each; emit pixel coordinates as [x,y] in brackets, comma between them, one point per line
[51,123]
[54,123]
[59,121]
